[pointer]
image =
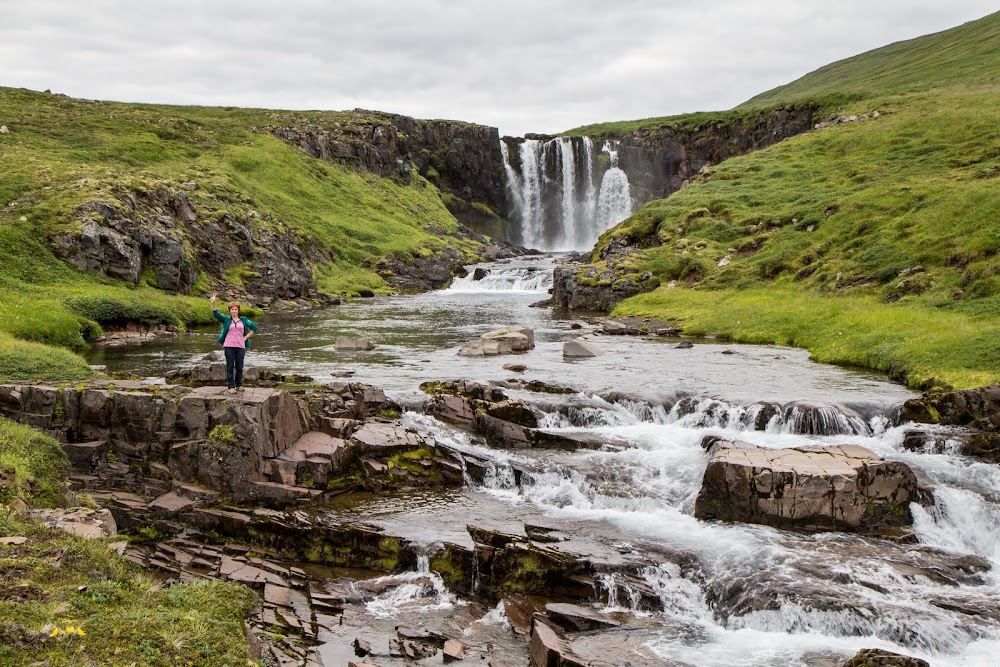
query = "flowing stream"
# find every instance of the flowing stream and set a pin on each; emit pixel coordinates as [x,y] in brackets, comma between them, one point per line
[726,594]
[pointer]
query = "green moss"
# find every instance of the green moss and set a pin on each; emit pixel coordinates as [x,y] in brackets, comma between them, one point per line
[33,463]
[223,434]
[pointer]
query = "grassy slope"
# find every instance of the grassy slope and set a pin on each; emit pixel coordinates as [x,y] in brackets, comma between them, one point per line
[63,152]
[883,233]
[125,616]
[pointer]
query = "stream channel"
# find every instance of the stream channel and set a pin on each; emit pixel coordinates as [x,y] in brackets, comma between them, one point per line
[729,594]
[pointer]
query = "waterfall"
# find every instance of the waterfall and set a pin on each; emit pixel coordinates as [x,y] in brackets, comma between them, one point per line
[554,196]
[614,203]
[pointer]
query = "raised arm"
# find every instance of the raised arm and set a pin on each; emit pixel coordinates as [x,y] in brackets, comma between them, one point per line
[215,313]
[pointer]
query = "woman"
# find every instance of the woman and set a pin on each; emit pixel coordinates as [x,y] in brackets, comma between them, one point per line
[235,339]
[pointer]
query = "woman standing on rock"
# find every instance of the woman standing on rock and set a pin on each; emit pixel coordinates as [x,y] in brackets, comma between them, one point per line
[235,339]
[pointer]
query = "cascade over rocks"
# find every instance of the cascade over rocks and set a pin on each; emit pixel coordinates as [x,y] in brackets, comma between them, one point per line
[813,488]
[504,423]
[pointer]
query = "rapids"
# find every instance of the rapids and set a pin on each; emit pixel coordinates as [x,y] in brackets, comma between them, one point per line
[725,594]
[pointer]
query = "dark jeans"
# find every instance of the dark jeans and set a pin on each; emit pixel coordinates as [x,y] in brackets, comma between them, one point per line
[234,366]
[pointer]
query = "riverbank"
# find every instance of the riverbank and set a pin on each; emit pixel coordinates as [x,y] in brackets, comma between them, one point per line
[915,344]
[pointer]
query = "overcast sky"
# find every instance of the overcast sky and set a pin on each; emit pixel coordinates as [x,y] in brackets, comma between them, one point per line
[521,66]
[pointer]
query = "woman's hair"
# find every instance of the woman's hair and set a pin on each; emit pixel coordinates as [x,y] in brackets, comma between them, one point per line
[234,303]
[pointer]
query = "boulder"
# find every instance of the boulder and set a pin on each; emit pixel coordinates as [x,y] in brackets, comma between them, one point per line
[352,344]
[814,488]
[486,348]
[515,368]
[580,349]
[876,657]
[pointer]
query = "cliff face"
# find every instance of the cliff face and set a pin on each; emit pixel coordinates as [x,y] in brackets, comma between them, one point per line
[659,161]
[462,159]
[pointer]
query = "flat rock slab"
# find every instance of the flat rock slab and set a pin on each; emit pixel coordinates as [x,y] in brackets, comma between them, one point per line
[843,487]
[580,349]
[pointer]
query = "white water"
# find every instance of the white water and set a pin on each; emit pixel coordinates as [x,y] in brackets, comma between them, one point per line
[567,211]
[614,203]
[516,279]
[817,595]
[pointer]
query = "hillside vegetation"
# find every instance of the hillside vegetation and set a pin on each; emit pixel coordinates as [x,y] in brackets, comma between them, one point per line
[60,153]
[872,240]
[96,607]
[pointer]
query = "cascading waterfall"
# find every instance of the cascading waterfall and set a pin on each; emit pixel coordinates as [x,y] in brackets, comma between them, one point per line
[554,193]
[614,203]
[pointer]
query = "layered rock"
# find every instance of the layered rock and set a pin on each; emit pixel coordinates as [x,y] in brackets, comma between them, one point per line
[842,487]
[977,410]
[502,422]
[160,230]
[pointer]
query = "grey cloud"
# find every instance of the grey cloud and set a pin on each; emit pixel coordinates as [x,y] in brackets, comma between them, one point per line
[523,66]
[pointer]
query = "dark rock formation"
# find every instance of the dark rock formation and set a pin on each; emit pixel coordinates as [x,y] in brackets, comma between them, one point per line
[843,487]
[158,230]
[462,159]
[659,161]
[876,657]
[976,409]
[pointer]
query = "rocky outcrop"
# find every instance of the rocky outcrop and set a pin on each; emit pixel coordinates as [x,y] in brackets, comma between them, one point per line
[158,230]
[502,422]
[422,273]
[587,288]
[876,657]
[978,410]
[462,159]
[262,445]
[659,161]
[813,488]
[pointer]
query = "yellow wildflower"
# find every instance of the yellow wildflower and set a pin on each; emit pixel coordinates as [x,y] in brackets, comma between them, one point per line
[70,629]
[54,633]
[80,632]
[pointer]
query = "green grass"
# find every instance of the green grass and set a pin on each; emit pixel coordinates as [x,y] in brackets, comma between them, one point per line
[32,466]
[895,214]
[969,54]
[63,152]
[916,344]
[57,579]
[126,617]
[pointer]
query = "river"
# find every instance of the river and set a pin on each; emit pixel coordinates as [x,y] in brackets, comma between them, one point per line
[729,594]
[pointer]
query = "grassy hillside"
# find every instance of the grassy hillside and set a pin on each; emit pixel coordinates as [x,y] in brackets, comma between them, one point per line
[60,153]
[96,607]
[968,55]
[872,242]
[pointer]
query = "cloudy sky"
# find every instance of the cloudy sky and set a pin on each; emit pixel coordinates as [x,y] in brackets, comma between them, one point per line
[522,66]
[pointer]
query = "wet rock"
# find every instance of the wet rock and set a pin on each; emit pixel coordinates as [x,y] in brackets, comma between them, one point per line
[453,651]
[580,349]
[613,328]
[876,657]
[515,368]
[352,344]
[485,348]
[574,618]
[684,345]
[843,487]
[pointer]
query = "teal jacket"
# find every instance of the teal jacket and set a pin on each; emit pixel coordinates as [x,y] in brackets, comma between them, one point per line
[227,322]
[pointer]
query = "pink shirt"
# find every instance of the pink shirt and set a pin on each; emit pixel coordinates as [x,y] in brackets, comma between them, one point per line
[234,337]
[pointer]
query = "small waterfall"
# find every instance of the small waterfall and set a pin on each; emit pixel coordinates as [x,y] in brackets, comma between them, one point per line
[554,194]
[513,279]
[615,202]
